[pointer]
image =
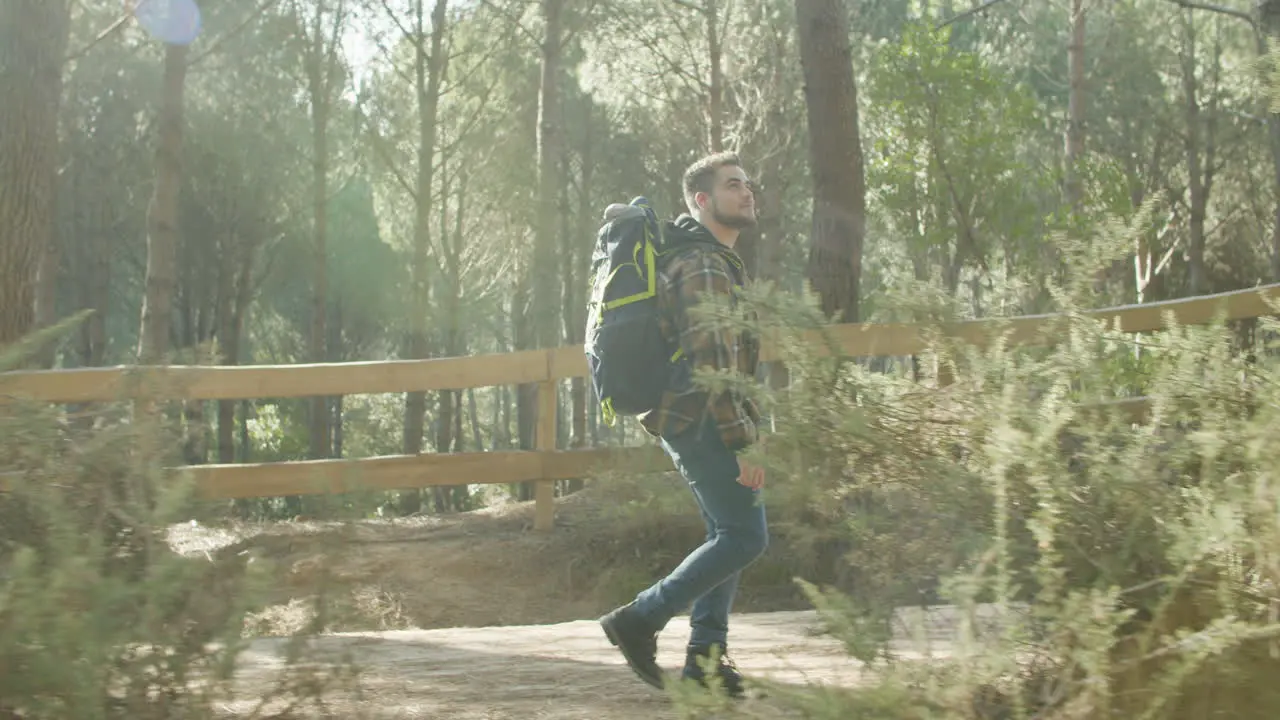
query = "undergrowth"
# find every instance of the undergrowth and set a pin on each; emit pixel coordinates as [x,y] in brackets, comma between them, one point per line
[99,619]
[1132,562]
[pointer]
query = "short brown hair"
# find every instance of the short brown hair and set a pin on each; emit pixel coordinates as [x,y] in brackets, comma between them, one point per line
[700,176]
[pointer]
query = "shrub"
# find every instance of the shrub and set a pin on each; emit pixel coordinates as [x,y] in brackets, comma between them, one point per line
[1143,552]
[98,618]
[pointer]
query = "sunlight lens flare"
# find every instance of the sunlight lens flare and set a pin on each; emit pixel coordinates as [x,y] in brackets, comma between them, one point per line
[176,22]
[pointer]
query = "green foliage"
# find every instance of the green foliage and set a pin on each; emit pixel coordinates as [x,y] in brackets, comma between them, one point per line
[946,161]
[99,619]
[1142,552]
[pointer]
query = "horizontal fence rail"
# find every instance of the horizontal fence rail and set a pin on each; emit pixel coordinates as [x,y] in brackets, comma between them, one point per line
[198,382]
[321,477]
[545,464]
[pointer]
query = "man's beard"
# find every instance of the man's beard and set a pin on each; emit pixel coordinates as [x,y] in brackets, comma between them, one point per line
[736,222]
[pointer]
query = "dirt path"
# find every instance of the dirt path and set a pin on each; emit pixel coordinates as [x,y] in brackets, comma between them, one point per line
[472,616]
[562,671]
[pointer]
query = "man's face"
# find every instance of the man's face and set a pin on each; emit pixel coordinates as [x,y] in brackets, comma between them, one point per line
[732,202]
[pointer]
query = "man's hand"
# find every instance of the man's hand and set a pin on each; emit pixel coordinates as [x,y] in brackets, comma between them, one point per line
[751,476]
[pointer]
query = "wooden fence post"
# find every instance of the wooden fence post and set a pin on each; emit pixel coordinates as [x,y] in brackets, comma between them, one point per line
[544,498]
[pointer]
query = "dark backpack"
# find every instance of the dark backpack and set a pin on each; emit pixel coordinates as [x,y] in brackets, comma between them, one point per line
[628,357]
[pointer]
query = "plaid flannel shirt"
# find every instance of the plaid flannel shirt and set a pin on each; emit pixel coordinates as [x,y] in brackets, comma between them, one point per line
[684,283]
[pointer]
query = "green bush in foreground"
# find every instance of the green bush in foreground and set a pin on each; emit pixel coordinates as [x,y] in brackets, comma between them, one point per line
[1132,565]
[98,618]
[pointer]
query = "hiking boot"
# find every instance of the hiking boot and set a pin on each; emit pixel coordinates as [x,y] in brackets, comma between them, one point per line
[730,678]
[638,641]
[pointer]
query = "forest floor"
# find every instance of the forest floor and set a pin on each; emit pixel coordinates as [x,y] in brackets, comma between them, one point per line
[559,671]
[474,615]
[487,567]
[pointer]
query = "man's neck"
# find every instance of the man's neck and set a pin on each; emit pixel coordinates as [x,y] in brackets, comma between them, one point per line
[726,235]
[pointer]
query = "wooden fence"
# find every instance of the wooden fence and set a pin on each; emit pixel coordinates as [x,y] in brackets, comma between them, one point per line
[545,464]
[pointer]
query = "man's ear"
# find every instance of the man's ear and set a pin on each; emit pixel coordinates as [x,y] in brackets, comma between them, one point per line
[700,200]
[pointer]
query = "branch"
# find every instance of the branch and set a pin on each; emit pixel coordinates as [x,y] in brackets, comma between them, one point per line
[387,56]
[686,4]
[968,13]
[465,76]
[572,28]
[515,22]
[690,47]
[378,142]
[1230,12]
[111,30]
[653,45]
[468,125]
[495,46]
[961,217]
[391,14]
[217,42]
[339,15]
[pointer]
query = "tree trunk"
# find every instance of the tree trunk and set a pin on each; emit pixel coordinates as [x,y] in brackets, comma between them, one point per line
[1273,137]
[839,186]
[47,290]
[98,296]
[317,346]
[766,261]
[576,330]
[322,72]
[477,438]
[1267,30]
[541,311]
[550,141]
[246,450]
[1200,149]
[334,406]
[453,307]
[228,272]
[459,440]
[526,395]
[444,421]
[429,68]
[1195,242]
[715,88]
[593,424]
[93,271]
[1075,107]
[502,393]
[231,334]
[502,419]
[449,429]
[162,213]
[572,249]
[1265,21]
[33,41]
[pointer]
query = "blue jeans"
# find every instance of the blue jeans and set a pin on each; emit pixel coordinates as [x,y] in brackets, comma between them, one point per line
[737,534]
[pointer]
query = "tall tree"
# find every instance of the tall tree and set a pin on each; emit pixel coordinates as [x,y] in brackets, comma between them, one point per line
[543,274]
[1075,106]
[425,75]
[550,141]
[835,155]
[162,212]
[714,85]
[33,42]
[1265,23]
[322,66]
[1201,142]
